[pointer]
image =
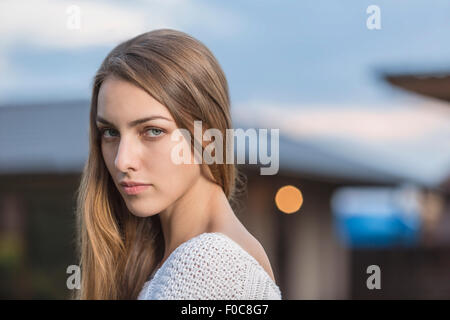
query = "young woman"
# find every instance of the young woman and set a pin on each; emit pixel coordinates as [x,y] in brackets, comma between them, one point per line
[150,227]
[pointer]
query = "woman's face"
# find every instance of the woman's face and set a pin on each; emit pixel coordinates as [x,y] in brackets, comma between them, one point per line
[136,145]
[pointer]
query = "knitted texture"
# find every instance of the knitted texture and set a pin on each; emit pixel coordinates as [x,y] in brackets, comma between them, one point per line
[210,266]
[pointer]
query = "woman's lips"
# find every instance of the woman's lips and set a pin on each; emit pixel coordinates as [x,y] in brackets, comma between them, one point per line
[133,190]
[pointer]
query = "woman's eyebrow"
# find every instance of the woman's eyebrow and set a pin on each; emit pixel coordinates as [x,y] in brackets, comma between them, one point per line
[134,122]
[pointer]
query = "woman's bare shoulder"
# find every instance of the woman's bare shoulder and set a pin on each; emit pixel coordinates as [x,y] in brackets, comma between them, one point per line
[250,244]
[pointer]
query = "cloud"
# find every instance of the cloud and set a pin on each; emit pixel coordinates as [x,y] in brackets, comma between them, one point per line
[410,140]
[51,23]
[370,124]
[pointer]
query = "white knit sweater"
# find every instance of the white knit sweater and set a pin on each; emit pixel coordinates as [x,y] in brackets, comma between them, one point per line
[210,266]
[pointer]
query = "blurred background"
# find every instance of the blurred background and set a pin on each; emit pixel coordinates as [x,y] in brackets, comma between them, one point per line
[360,91]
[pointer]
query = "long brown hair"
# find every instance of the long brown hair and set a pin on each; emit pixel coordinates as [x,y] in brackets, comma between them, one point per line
[117,250]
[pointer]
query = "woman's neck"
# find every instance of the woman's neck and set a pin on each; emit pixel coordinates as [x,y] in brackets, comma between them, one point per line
[196,212]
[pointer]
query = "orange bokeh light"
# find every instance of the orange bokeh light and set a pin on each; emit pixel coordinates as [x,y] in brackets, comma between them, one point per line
[289,199]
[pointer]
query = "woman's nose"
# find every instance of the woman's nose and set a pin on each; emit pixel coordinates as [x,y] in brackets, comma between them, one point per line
[127,156]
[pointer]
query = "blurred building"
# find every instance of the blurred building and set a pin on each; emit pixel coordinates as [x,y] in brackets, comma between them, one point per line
[43,151]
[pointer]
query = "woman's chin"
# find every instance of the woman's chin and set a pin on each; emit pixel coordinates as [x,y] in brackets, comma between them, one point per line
[141,211]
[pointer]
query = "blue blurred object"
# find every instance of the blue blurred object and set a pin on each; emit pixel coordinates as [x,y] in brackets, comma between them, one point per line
[377,217]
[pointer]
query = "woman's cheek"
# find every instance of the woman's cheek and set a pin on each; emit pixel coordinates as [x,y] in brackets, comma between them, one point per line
[108,157]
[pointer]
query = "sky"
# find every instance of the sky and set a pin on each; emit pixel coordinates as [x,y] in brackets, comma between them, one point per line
[311,68]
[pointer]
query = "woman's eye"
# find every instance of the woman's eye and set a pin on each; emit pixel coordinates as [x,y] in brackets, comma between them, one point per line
[154,132]
[108,133]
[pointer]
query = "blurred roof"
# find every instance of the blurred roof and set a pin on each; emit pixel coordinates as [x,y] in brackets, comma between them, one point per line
[431,84]
[435,85]
[53,138]
[49,137]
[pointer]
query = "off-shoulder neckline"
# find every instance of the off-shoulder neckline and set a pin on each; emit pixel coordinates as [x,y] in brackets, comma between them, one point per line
[220,234]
